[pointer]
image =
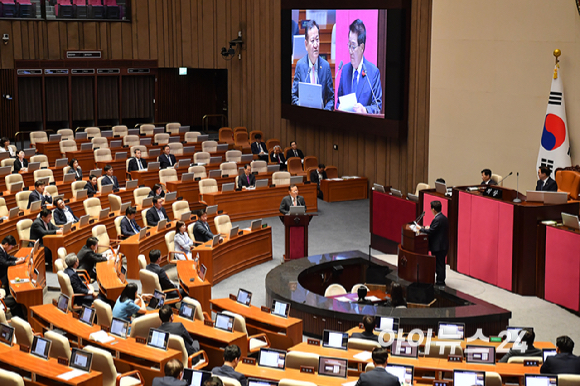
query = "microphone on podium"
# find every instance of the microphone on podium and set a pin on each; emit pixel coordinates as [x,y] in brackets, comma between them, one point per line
[500,181]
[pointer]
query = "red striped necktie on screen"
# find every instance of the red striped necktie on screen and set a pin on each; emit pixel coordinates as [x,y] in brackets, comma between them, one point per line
[313,75]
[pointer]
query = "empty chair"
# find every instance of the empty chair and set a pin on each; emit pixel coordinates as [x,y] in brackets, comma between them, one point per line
[76,186]
[92,206]
[38,137]
[22,199]
[255,342]
[173,127]
[139,147]
[233,156]
[295,359]
[12,179]
[281,178]
[93,132]
[104,363]
[190,232]
[209,146]
[142,261]
[139,194]
[334,289]
[223,224]
[362,344]
[104,313]
[198,313]
[67,146]
[240,129]
[167,175]
[198,171]
[100,232]
[23,230]
[40,158]
[120,130]
[100,142]
[60,347]
[271,143]
[8,162]
[310,162]
[103,155]
[176,148]
[229,168]
[22,331]
[115,202]
[201,157]
[208,185]
[3,208]
[191,136]
[331,171]
[9,378]
[161,138]
[498,178]
[52,190]
[59,265]
[295,166]
[117,222]
[259,166]
[420,186]
[147,129]
[144,216]
[226,135]
[131,140]
[564,379]
[66,134]
[142,324]
[494,379]
[242,141]
[179,208]
[41,173]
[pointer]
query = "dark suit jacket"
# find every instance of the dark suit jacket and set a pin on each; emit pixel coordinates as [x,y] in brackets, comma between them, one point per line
[163,279]
[110,181]
[78,173]
[6,261]
[38,231]
[177,328]
[76,282]
[90,188]
[88,259]
[35,196]
[18,165]
[531,351]
[152,194]
[314,176]
[243,180]
[153,217]
[377,376]
[302,75]
[438,233]
[164,161]
[550,186]
[364,335]
[60,217]
[127,229]
[364,94]
[278,160]
[563,363]
[290,153]
[133,164]
[489,182]
[287,203]
[168,381]
[257,149]
[227,371]
[201,233]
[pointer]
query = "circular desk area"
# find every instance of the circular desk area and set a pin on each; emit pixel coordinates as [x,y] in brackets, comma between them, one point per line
[302,283]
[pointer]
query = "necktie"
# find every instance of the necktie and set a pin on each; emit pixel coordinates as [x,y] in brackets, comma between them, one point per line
[169,158]
[295,153]
[248,178]
[139,163]
[293,202]
[313,75]
[133,226]
[355,81]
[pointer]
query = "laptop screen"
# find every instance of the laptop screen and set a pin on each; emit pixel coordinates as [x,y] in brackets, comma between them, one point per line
[158,339]
[87,315]
[280,308]
[275,359]
[81,360]
[541,380]
[40,347]
[195,377]
[335,339]
[6,334]
[261,382]
[468,378]
[383,323]
[480,354]
[157,300]
[62,303]
[548,352]
[451,331]
[186,311]
[514,333]
[333,367]
[119,327]
[403,348]
[244,297]
[404,373]
[224,322]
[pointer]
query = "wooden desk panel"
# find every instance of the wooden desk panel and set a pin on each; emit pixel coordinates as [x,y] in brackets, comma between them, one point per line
[85,158]
[49,149]
[233,256]
[28,294]
[283,333]
[150,178]
[110,284]
[255,371]
[201,291]
[345,190]
[259,203]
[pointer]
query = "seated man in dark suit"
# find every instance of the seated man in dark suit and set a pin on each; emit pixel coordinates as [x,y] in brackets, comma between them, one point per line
[529,351]
[294,151]
[545,182]
[177,328]
[88,257]
[91,186]
[369,325]
[137,163]
[318,175]
[109,178]
[129,226]
[173,374]
[157,212]
[41,227]
[78,285]
[486,178]
[38,194]
[63,214]
[7,260]
[232,354]
[247,179]
[378,375]
[438,233]
[293,199]
[278,158]
[201,230]
[564,362]
[166,159]
[259,148]
[164,282]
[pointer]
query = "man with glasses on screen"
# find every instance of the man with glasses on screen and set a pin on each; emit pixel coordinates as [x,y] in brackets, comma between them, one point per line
[360,76]
[313,69]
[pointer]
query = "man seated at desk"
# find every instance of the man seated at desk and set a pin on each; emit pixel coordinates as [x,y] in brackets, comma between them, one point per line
[7,260]
[247,179]
[91,186]
[527,350]
[164,282]
[201,230]
[79,286]
[232,354]
[293,199]
[564,362]
[129,226]
[259,148]
[294,151]
[545,182]
[318,175]
[38,194]
[88,257]
[173,373]
[41,227]
[157,212]
[63,214]
[157,191]
[277,157]
[166,159]
[177,328]
[378,375]
[369,326]
[109,178]
[137,163]
[486,178]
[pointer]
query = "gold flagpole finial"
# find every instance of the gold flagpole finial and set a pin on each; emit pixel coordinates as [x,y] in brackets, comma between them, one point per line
[557,54]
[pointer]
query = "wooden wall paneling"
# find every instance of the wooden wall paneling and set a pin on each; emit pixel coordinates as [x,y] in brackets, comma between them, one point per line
[241,12]
[177,33]
[196,32]
[30,101]
[22,27]
[57,98]
[381,160]
[186,33]
[165,40]
[63,38]
[89,35]
[53,41]
[32,39]
[152,29]
[82,94]
[116,41]
[72,29]
[208,33]
[16,43]
[8,108]
[7,51]
[127,36]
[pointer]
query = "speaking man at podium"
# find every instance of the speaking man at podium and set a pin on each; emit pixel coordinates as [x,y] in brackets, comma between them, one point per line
[438,233]
[293,199]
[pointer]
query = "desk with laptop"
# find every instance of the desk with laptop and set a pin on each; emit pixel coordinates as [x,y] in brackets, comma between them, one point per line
[27,281]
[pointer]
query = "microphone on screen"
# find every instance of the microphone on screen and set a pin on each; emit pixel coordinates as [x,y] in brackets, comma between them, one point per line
[336,77]
[371,87]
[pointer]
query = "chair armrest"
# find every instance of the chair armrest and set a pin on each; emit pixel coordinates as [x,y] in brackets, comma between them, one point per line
[176,290]
[84,275]
[22,241]
[174,260]
[206,315]
[72,302]
[258,336]
[128,374]
[201,364]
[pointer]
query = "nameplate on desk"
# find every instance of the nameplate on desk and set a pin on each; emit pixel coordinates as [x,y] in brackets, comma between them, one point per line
[454,358]
[493,192]
[75,315]
[62,361]
[233,297]
[92,221]
[208,323]
[313,342]
[249,361]
[307,369]
[105,328]
[495,339]
[24,348]
[440,383]
[141,340]
[531,363]
[265,309]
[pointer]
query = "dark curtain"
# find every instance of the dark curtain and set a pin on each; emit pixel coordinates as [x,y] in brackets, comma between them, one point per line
[30,99]
[82,98]
[108,97]
[138,95]
[56,93]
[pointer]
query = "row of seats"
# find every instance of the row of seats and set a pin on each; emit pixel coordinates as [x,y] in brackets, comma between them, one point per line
[18,8]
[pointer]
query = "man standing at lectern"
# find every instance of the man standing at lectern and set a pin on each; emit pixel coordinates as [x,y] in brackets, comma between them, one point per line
[438,240]
[293,199]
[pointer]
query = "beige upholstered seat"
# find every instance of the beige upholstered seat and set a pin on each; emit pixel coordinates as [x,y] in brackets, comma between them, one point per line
[334,289]
[66,288]
[281,178]
[172,127]
[179,207]
[142,325]
[12,179]
[93,132]
[191,136]
[147,129]
[150,283]
[198,171]
[161,138]
[444,349]
[120,130]
[131,140]
[103,155]
[201,157]
[227,381]
[52,190]
[67,146]
[176,343]
[103,362]
[229,168]
[293,382]
[100,142]
[92,206]
[209,146]
[176,148]
[208,185]
[369,367]
[100,232]
[420,186]
[362,344]
[41,173]
[9,378]
[38,137]
[494,379]
[104,313]
[295,359]
[76,186]
[4,211]
[198,313]
[223,224]
[59,265]
[355,288]
[118,220]
[22,199]
[190,231]
[23,229]
[8,162]
[139,194]
[167,175]
[66,134]
[142,261]
[233,156]
[40,158]
[497,178]
[144,216]
[60,347]
[22,331]
[565,379]
[115,203]
[255,342]
[521,360]
[140,147]
[259,166]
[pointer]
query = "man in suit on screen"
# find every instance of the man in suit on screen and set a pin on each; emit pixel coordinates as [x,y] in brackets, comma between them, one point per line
[438,233]
[313,69]
[360,76]
[292,199]
[545,182]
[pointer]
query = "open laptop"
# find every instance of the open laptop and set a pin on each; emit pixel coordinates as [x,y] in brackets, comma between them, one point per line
[298,47]
[173,139]
[256,225]
[120,156]
[211,209]
[280,308]
[183,129]
[534,196]
[215,241]
[385,323]
[106,189]
[142,233]
[68,177]
[32,166]
[87,315]
[80,135]
[157,301]
[333,367]
[133,131]
[124,207]
[161,225]
[82,194]
[403,372]
[570,220]
[244,297]
[195,377]
[273,168]
[107,133]
[147,201]
[261,382]
[45,180]
[185,216]
[13,213]
[229,187]
[402,348]
[548,352]
[215,173]
[310,95]
[272,358]
[187,311]
[104,213]
[154,152]
[186,177]
[203,138]
[263,183]
[29,153]
[117,143]
[119,327]
[62,303]
[396,193]
[222,147]
[468,378]
[480,354]
[215,160]
[54,138]
[35,206]
[152,166]
[234,232]
[451,331]
[335,339]
[84,220]
[86,146]
[555,198]
[541,380]
[61,162]
[440,187]
[294,180]
[183,163]
[96,172]
[159,130]
[297,210]
[170,196]
[66,228]
[145,141]
[224,322]
[131,184]
[6,334]
[40,347]
[188,149]
[246,158]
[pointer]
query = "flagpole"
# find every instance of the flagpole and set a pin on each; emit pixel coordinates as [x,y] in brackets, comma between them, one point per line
[557,54]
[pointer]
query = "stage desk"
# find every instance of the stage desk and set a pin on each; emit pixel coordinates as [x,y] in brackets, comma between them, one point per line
[236,255]
[126,352]
[197,289]
[349,189]
[111,283]
[28,294]
[282,333]
[255,371]
[259,203]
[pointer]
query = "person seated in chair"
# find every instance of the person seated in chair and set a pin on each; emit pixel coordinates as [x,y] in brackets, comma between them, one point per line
[182,242]
[5,147]
[63,214]
[109,178]
[232,354]
[247,179]
[129,226]
[524,351]
[137,163]
[173,374]
[75,169]
[166,159]
[294,151]
[41,227]
[318,175]
[201,230]
[259,148]
[378,375]
[79,286]
[130,303]
[177,328]
[164,282]
[157,191]
[278,158]
[20,163]
[89,257]
[564,362]
[369,326]
[91,186]
[7,260]
[545,182]
[157,212]
[38,194]
[486,178]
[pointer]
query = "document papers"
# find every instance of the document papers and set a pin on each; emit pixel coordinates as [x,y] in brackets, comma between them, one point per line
[347,102]
[71,374]
[310,95]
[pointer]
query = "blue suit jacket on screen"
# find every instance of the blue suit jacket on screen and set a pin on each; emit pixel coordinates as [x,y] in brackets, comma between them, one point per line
[364,95]
[324,78]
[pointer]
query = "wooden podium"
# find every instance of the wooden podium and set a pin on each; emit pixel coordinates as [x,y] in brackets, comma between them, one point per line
[414,259]
[296,235]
